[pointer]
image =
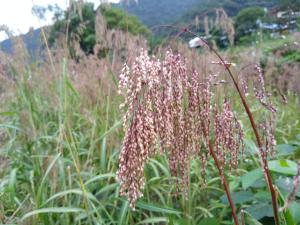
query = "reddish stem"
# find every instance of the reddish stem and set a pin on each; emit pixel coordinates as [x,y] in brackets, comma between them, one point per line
[264,162]
[224,182]
[255,130]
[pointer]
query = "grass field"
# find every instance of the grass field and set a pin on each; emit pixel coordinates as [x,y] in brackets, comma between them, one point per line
[61,137]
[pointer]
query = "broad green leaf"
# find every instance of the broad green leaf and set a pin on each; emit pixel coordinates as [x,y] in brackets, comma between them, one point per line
[295,209]
[285,185]
[52,210]
[249,220]
[285,149]
[283,166]
[261,210]
[251,177]
[263,196]
[239,197]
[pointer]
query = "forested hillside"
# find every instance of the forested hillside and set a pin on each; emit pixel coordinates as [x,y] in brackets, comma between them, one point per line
[157,12]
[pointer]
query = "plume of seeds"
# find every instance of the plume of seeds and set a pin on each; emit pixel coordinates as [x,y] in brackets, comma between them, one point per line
[261,94]
[226,142]
[168,109]
[260,91]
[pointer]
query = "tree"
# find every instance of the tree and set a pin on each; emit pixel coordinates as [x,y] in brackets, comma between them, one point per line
[117,18]
[246,20]
[290,4]
[79,24]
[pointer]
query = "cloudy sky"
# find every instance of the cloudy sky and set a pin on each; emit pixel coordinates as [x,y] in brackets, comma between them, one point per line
[16,14]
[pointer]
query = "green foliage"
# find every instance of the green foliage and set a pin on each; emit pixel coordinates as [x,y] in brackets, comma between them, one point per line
[290,4]
[81,25]
[157,12]
[77,17]
[63,158]
[118,19]
[245,21]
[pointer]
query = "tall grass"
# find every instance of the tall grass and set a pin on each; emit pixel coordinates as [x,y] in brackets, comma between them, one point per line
[60,140]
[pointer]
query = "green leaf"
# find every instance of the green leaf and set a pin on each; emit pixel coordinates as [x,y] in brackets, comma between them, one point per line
[250,147]
[103,154]
[42,184]
[181,221]
[72,191]
[100,177]
[123,212]
[8,113]
[155,208]
[52,210]
[283,166]
[285,149]
[261,210]
[287,215]
[249,220]
[285,185]
[9,126]
[234,184]
[209,221]
[263,196]
[295,209]
[251,177]
[12,182]
[154,220]
[239,197]
[112,129]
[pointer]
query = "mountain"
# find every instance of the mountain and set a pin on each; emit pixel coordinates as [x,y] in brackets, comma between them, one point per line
[158,12]
[32,42]
[162,12]
[232,7]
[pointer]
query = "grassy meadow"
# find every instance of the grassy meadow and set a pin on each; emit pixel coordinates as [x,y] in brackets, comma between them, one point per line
[61,134]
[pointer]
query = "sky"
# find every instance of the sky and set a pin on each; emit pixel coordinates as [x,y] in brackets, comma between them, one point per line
[16,14]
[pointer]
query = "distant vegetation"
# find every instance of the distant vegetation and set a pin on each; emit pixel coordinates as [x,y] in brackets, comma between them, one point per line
[79,23]
[158,12]
[244,13]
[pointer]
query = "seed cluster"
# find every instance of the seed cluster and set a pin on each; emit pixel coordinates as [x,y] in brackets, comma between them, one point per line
[267,126]
[169,109]
[226,142]
[260,91]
